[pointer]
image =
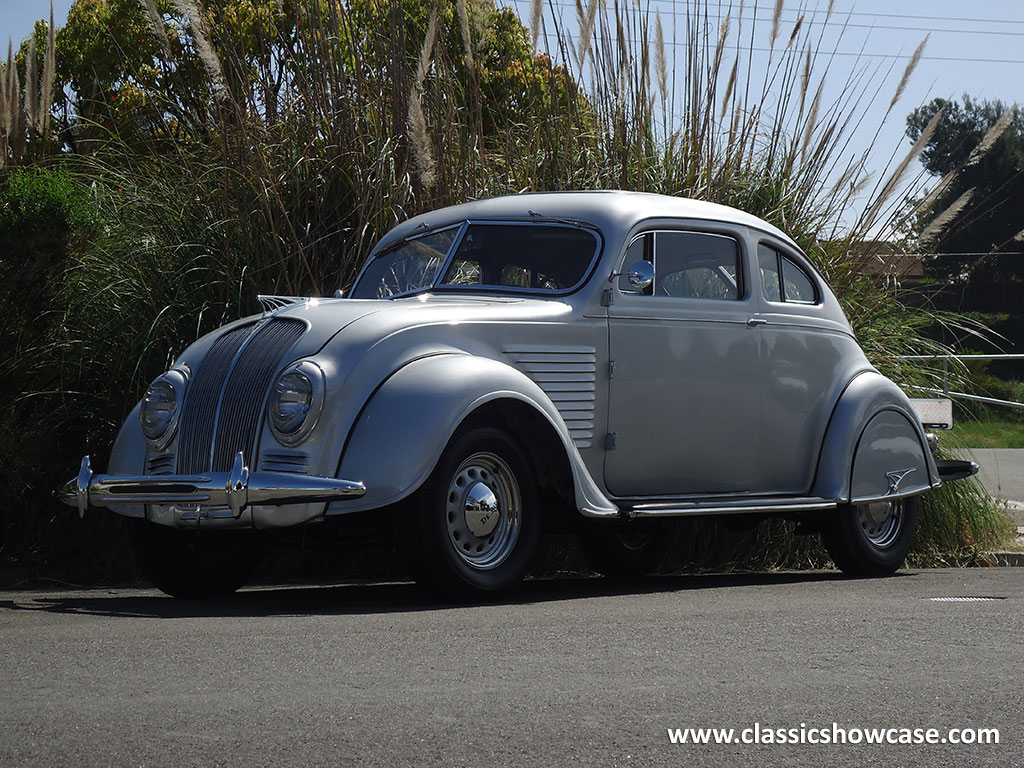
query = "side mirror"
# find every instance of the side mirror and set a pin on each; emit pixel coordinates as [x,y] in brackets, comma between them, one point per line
[640,276]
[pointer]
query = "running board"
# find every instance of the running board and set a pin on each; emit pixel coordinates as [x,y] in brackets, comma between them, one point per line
[744,507]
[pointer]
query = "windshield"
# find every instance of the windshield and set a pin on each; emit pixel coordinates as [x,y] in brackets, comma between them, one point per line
[410,267]
[538,258]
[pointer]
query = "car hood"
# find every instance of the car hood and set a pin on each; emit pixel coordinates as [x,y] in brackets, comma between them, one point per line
[363,323]
[342,333]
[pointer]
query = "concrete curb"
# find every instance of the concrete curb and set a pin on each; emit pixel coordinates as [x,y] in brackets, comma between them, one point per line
[1008,559]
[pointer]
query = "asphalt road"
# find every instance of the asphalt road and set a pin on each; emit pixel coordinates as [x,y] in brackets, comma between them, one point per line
[572,671]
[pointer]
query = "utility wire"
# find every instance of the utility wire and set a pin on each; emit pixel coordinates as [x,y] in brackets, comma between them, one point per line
[837,16]
[858,54]
[834,22]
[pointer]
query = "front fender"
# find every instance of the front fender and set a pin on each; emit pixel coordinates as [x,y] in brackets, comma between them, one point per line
[874,446]
[128,457]
[401,432]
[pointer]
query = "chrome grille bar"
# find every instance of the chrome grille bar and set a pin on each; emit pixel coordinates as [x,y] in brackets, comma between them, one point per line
[242,403]
[196,426]
[221,413]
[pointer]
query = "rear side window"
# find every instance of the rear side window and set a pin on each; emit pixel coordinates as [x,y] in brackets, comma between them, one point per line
[782,279]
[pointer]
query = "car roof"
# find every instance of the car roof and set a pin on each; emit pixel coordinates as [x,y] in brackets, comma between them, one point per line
[614,212]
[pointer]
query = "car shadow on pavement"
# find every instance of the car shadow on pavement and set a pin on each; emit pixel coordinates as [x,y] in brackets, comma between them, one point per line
[370,598]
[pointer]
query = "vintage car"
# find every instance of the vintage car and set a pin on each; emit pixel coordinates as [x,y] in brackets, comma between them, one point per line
[627,357]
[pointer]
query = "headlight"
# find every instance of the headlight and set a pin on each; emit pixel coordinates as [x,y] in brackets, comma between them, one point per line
[295,402]
[158,413]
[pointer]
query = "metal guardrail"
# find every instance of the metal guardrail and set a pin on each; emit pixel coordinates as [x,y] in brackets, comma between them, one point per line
[945,377]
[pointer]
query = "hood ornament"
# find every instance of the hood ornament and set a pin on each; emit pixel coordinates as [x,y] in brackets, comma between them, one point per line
[271,304]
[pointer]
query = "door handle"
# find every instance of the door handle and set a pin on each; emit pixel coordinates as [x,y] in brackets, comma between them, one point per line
[754,321]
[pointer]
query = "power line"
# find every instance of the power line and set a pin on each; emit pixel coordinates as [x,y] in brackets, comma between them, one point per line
[858,54]
[837,20]
[929,18]
[893,56]
[838,23]
[917,17]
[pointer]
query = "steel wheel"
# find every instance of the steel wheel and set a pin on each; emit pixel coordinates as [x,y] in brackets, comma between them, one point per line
[871,539]
[478,523]
[881,521]
[484,511]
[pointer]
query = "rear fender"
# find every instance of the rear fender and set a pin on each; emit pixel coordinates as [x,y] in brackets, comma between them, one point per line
[874,446]
[403,429]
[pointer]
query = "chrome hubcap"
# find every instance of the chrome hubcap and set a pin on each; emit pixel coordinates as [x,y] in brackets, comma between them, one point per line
[881,521]
[483,511]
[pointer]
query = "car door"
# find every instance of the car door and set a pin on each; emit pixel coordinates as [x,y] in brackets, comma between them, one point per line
[808,358]
[684,402]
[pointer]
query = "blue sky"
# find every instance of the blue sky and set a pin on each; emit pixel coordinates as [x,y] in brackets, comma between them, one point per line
[18,16]
[975,47]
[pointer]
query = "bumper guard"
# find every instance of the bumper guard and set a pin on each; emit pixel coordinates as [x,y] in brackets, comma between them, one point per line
[236,489]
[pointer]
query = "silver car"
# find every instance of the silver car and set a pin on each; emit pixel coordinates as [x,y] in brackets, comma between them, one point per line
[603,360]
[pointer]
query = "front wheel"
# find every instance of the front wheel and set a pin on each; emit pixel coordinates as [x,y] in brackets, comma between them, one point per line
[194,565]
[871,539]
[477,522]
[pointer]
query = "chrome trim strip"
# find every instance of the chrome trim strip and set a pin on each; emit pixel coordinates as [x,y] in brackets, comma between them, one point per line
[668,510]
[891,496]
[449,256]
[236,489]
[271,304]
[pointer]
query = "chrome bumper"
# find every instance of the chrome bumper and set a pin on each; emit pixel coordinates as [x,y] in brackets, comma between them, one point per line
[954,469]
[236,489]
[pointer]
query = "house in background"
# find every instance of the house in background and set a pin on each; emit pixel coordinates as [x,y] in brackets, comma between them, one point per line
[895,268]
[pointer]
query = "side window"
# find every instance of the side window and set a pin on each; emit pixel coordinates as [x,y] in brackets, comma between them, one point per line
[641,249]
[782,279]
[696,265]
[796,284]
[768,261]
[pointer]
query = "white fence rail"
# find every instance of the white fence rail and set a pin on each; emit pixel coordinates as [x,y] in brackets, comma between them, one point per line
[945,378]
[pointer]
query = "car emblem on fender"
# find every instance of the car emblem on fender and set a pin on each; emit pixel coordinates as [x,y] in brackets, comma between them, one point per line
[895,478]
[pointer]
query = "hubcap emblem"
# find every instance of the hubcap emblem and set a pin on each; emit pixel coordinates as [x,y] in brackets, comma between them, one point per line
[481,510]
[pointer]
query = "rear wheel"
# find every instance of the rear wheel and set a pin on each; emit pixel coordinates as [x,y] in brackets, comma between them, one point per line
[871,539]
[191,565]
[477,526]
[624,550]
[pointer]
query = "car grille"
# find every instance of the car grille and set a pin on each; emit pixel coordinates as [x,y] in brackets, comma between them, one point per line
[160,464]
[221,413]
[285,461]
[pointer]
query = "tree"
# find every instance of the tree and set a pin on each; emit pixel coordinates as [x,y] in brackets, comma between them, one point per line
[156,65]
[974,222]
